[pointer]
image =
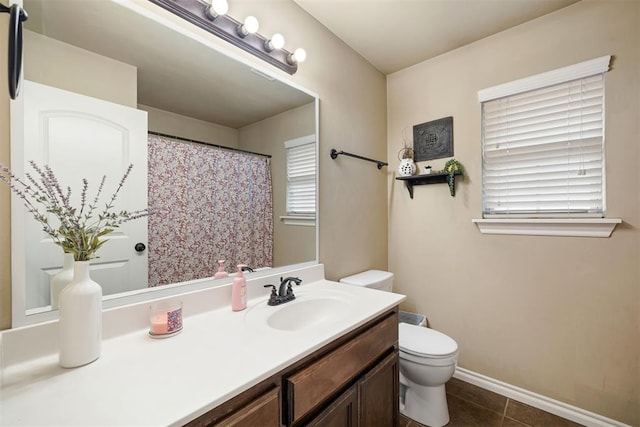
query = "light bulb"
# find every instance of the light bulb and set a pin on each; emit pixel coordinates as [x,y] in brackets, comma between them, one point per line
[276,42]
[249,26]
[221,7]
[217,8]
[298,56]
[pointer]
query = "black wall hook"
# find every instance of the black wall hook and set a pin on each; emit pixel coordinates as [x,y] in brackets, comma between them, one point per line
[17,16]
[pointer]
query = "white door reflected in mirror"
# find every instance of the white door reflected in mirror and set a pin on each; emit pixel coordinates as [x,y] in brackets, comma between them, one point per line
[83,137]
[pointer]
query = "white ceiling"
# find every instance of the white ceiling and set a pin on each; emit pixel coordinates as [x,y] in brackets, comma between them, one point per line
[395,34]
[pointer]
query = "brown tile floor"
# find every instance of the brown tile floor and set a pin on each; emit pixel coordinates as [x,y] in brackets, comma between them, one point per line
[472,406]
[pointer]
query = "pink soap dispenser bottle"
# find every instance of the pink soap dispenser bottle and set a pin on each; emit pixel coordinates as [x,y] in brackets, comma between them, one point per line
[239,291]
[221,274]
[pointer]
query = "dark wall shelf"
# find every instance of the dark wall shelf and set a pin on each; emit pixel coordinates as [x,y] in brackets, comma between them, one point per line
[431,178]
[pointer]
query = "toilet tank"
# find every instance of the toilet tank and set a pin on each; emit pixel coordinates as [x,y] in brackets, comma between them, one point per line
[374,279]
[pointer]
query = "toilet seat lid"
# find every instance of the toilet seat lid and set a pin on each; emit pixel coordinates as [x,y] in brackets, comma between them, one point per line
[421,341]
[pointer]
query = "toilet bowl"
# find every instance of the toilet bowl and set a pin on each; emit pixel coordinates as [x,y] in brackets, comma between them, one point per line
[427,360]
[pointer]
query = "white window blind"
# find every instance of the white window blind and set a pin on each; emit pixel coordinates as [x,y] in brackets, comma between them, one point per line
[301,176]
[543,151]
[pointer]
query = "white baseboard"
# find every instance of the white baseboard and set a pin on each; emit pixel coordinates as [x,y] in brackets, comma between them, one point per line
[573,413]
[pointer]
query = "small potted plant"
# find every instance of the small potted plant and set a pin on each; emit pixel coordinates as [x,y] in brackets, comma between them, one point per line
[451,167]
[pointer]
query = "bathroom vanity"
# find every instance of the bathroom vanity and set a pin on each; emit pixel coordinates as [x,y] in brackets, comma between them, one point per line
[328,357]
[351,381]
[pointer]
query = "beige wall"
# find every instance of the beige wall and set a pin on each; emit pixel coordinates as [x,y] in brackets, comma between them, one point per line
[268,137]
[555,315]
[54,63]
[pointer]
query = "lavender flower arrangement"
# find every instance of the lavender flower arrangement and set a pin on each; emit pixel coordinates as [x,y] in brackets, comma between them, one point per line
[82,229]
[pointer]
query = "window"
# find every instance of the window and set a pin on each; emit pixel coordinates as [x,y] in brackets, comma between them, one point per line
[543,147]
[543,151]
[301,181]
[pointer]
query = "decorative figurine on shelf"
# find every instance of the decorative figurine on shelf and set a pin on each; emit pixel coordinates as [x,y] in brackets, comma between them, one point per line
[407,166]
[451,167]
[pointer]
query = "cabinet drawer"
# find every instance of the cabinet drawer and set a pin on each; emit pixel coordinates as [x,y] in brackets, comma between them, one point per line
[258,406]
[314,384]
[265,411]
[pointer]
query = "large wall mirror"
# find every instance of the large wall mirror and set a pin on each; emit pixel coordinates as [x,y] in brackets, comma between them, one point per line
[207,142]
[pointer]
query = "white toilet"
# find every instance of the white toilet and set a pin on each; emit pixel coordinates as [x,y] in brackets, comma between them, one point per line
[427,360]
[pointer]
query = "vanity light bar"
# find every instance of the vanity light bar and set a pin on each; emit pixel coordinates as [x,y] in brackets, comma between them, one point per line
[227,28]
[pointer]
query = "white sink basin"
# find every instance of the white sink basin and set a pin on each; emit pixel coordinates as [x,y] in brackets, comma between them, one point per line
[308,310]
[308,313]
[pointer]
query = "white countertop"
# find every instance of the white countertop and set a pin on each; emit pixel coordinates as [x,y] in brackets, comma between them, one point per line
[143,381]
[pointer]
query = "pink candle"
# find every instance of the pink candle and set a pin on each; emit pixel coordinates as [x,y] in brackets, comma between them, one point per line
[159,324]
[165,318]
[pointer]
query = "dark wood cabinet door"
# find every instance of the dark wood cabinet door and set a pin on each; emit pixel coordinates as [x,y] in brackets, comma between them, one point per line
[378,391]
[343,412]
[310,388]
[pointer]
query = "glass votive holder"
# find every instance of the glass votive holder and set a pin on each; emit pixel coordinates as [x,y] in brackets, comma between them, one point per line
[165,319]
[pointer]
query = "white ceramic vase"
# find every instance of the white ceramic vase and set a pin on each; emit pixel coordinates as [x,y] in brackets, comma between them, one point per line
[60,280]
[80,319]
[407,167]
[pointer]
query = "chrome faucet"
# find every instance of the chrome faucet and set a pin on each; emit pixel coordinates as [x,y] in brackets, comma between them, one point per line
[285,292]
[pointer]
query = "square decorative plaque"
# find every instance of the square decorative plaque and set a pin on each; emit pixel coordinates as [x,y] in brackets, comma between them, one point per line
[433,140]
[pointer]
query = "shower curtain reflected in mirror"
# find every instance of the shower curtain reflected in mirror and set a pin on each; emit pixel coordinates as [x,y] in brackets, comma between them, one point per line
[206,204]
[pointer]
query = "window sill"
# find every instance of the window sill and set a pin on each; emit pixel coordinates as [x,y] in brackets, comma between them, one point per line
[305,220]
[570,227]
